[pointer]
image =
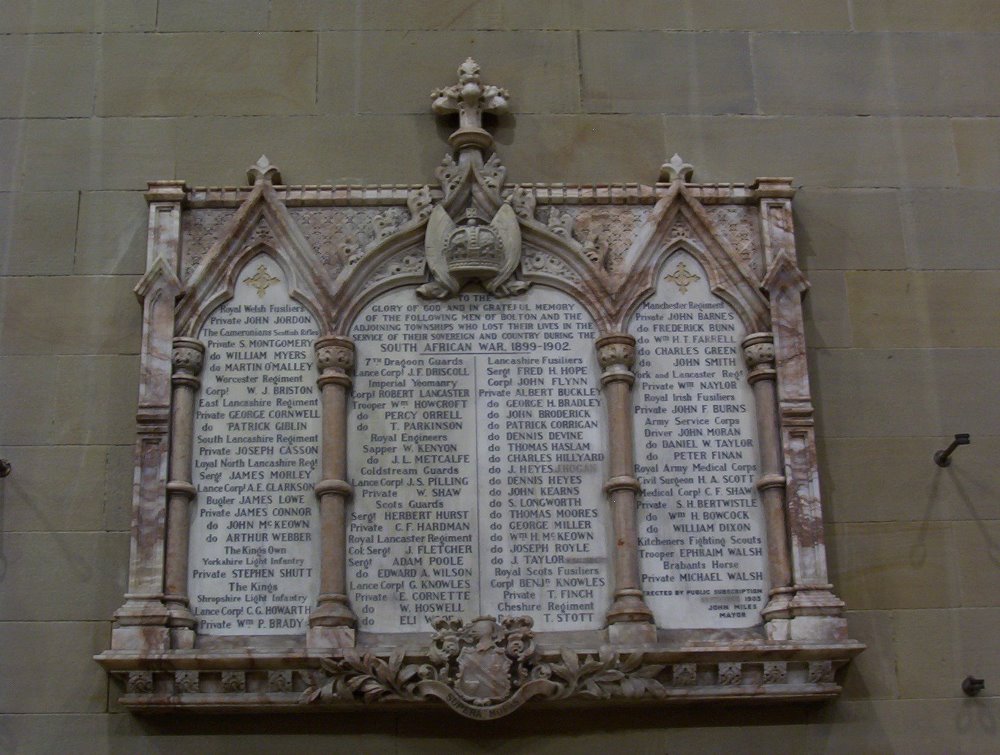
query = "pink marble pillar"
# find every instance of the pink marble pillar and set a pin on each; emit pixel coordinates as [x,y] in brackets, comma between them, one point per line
[758,351]
[141,624]
[815,612]
[188,357]
[332,622]
[629,618]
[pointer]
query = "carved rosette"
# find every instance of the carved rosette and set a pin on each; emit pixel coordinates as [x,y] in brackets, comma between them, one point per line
[187,359]
[616,355]
[335,360]
[758,352]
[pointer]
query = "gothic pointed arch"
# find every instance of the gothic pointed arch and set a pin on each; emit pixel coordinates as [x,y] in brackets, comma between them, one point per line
[679,221]
[261,224]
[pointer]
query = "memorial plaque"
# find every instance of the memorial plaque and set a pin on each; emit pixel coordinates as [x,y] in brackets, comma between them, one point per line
[478,462]
[474,442]
[701,526]
[256,452]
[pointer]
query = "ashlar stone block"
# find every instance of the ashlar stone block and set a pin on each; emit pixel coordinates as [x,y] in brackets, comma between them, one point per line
[916,392]
[41,651]
[924,309]
[659,72]
[40,231]
[96,316]
[47,75]
[939,648]
[93,154]
[44,16]
[859,74]
[81,574]
[911,488]
[218,15]
[925,15]
[541,65]
[57,488]
[69,399]
[977,143]
[849,229]
[207,74]
[828,152]
[951,230]
[112,233]
[878,565]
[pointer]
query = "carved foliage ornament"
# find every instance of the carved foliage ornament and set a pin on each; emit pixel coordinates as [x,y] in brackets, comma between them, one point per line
[485,669]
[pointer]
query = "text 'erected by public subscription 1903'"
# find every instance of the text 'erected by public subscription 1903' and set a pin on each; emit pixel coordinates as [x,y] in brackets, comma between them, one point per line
[701,527]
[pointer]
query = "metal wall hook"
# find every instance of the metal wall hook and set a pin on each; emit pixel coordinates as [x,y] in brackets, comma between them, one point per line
[5,468]
[973,686]
[941,458]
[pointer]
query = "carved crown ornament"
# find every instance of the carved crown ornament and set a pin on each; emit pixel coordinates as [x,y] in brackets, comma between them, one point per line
[273,597]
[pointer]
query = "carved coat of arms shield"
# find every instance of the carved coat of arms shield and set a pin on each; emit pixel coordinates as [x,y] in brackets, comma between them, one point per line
[483,674]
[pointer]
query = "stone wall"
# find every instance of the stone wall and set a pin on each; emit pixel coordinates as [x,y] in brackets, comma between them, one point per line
[884,111]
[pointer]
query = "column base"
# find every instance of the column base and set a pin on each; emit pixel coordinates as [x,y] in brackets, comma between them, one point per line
[141,624]
[632,633]
[815,601]
[332,611]
[779,604]
[629,607]
[329,638]
[807,629]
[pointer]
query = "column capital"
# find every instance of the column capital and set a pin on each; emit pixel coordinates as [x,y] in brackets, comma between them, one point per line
[335,359]
[187,359]
[616,355]
[758,353]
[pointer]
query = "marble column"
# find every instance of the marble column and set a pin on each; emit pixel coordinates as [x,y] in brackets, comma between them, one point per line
[629,618]
[188,357]
[758,352]
[332,622]
[815,612]
[142,622]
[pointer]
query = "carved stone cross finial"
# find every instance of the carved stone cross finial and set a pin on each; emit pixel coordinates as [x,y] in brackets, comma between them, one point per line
[470,98]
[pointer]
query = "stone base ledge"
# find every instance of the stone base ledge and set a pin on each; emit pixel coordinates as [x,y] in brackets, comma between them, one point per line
[358,679]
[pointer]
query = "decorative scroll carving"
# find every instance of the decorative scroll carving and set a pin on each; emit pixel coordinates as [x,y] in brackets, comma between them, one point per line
[685,674]
[139,682]
[279,681]
[234,681]
[486,669]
